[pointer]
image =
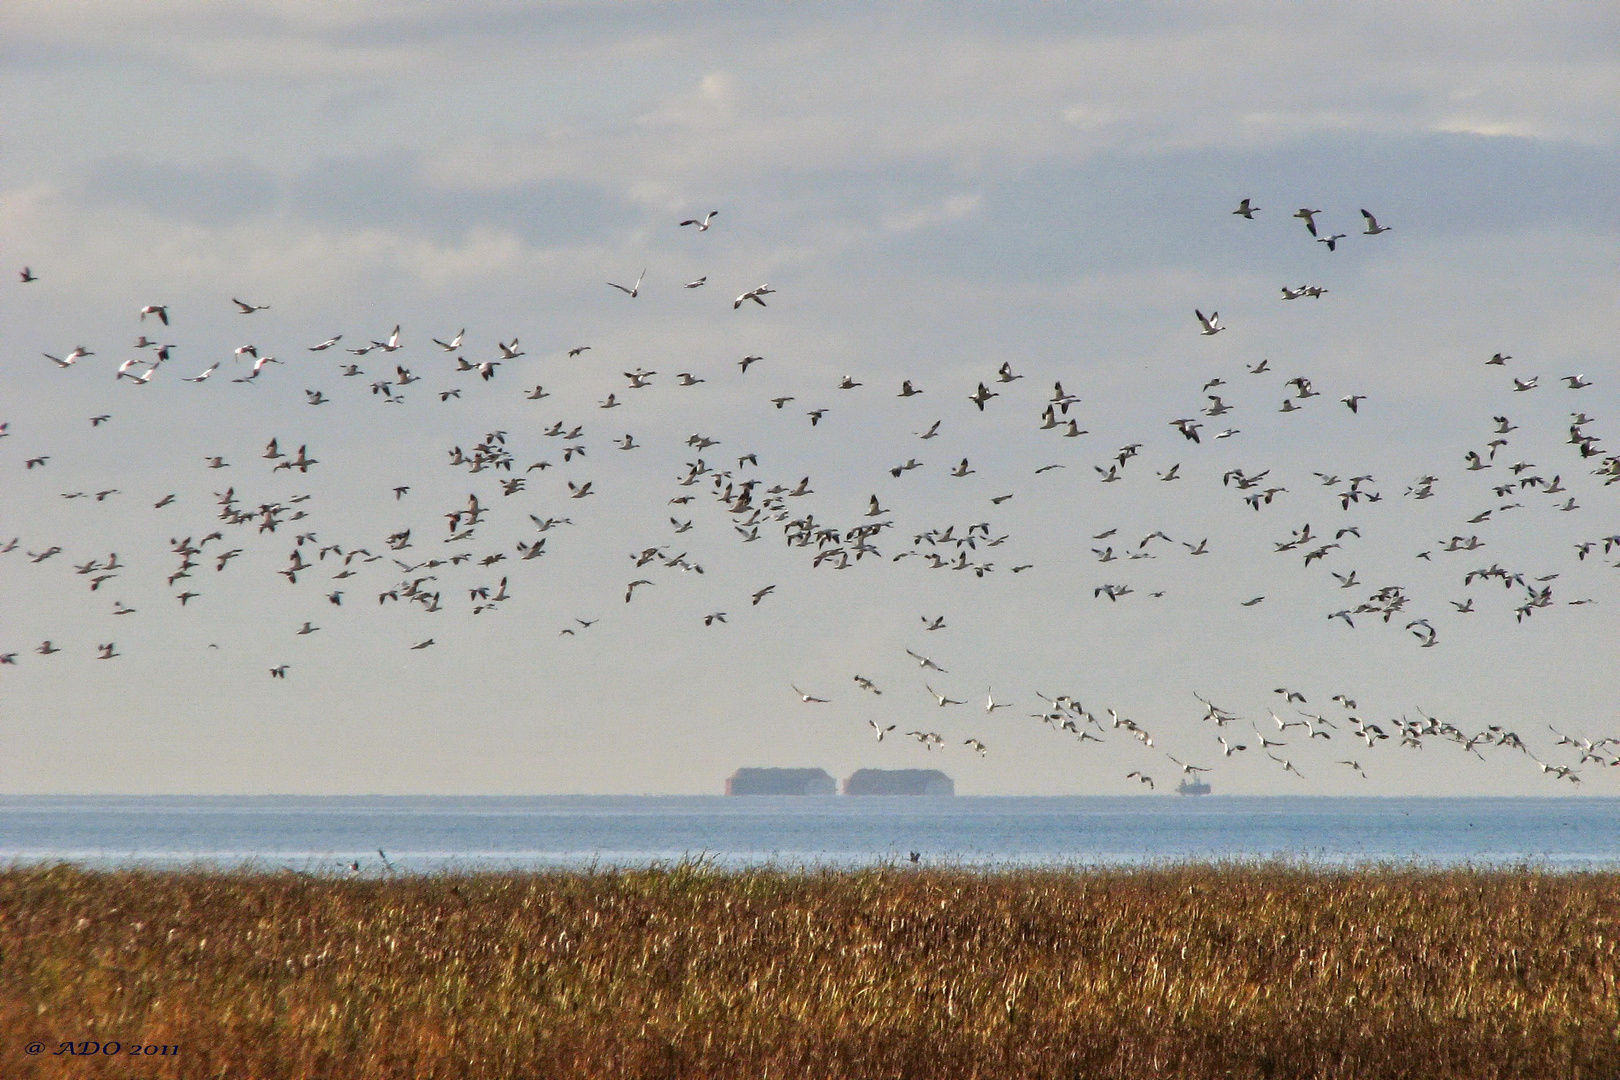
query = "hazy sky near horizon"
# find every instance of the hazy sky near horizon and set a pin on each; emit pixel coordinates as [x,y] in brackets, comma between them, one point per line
[932,191]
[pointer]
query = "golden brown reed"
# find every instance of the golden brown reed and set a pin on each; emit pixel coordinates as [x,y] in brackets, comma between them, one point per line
[687,971]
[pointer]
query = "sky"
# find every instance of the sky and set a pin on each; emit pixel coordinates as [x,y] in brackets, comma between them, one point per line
[932,192]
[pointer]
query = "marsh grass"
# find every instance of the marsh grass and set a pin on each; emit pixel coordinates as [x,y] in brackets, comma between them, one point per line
[691,971]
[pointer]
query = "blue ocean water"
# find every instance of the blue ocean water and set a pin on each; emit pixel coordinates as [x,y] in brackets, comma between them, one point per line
[426,833]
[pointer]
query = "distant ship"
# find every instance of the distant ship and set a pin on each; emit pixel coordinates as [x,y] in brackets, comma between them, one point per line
[781,782]
[899,782]
[1197,787]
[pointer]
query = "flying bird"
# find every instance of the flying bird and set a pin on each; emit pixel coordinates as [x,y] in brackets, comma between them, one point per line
[634,290]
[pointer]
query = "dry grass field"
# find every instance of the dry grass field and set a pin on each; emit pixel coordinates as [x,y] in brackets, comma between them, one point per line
[1196,971]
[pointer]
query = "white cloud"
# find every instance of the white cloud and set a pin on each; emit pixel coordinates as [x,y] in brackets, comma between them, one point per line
[938,212]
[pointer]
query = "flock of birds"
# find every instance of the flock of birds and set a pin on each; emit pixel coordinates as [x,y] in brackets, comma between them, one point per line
[413,569]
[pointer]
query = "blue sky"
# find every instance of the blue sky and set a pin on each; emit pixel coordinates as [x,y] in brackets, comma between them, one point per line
[933,193]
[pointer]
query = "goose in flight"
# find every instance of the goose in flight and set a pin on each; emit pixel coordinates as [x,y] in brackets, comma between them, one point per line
[925,662]
[258,366]
[28,275]
[978,747]
[160,310]
[1331,241]
[808,699]
[698,283]
[327,344]
[1211,325]
[1246,210]
[754,295]
[1577,382]
[941,698]
[1288,766]
[634,290]
[71,358]
[879,729]
[907,390]
[1142,777]
[702,226]
[454,343]
[248,309]
[509,352]
[1373,228]
[762,594]
[745,361]
[1308,217]
[866,684]
[982,395]
[991,704]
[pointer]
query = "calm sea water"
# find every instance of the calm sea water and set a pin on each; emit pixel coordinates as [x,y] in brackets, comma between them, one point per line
[434,833]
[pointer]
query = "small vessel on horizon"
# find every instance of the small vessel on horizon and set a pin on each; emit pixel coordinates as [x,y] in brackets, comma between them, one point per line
[1197,787]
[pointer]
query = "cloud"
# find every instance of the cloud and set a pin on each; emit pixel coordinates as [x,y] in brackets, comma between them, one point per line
[384,191]
[950,208]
